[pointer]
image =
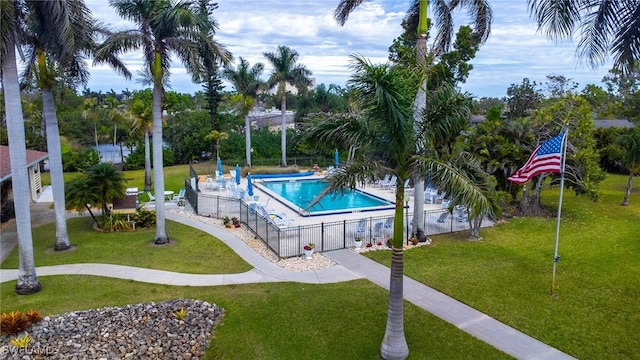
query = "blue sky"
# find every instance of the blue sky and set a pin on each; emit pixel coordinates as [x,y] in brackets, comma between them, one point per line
[248,28]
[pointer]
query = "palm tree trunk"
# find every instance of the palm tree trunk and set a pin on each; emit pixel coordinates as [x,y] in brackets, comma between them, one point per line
[55,167]
[394,344]
[627,194]
[419,105]
[247,139]
[283,127]
[27,280]
[158,172]
[147,160]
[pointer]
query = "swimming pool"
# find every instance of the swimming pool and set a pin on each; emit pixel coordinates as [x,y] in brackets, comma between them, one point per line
[298,194]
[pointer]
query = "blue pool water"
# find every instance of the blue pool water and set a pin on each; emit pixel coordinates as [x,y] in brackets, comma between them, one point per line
[300,193]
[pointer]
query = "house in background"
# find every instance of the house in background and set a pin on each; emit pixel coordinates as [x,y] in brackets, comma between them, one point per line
[34,159]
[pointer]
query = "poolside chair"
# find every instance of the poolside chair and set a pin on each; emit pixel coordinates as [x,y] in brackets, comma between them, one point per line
[151,197]
[388,226]
[383,181]
[277,219]
[361,228]
[378,231]
[443,217]
[179,195]
[390,183]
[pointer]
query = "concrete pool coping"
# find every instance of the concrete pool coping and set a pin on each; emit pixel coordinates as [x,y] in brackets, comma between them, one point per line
[260,183]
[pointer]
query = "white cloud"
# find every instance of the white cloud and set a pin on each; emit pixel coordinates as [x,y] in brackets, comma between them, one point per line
[251,27]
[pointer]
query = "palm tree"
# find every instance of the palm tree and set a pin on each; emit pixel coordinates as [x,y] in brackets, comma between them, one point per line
[630,157]
[9,22]
[55,36]
[216,136]
[286,70]
[481,15]
[140,108]
[246,81]
[107,182]
[606,28]
[162,28]
[383,133]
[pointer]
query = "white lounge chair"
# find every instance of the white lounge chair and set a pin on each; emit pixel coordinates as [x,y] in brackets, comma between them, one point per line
[151,197]
[179,195]
[383,181]
[278,219]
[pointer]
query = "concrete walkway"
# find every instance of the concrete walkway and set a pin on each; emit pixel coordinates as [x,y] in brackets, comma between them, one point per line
[350,266]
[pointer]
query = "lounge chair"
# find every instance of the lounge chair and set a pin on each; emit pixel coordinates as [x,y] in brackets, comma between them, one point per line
[151,197]
[361,228]
[179,196]
[390,183]
[383,181]
[278,219]
[388,226]
[443,217]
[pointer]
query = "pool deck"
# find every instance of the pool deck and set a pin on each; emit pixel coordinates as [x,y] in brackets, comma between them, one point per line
[276,206]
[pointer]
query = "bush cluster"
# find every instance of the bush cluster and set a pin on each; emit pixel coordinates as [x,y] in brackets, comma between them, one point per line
[145,218]
[17,321]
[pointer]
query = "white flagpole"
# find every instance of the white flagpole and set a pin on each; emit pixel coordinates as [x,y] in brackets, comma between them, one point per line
[556,258]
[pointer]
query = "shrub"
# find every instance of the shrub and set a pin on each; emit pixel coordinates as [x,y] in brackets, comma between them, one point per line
[21,342]
[180,314]
[13,322]
[145,218]
[34,316]
[114,222]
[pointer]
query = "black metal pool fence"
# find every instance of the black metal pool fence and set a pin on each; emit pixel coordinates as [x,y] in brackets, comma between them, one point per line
[288,241]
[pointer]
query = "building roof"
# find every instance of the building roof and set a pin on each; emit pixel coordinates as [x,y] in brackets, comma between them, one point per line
[33,157]
[619,123]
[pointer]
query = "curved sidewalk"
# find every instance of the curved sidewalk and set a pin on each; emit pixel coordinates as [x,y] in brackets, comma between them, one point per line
[350,266]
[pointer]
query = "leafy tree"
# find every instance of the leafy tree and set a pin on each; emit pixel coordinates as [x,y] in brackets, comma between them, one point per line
[582,172]
[286,70]
[246,82]
[10,23]
[630,158]
[522,99]
[207,46]
[162,28]
[605,28]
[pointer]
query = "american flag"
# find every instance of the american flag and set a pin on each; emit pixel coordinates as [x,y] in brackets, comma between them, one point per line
[546,158]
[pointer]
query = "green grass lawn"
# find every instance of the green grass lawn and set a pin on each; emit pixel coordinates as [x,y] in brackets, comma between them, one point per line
[274,320]
[193,251]
[594,314]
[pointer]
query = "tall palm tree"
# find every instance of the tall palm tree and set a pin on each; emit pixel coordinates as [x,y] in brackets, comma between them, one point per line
[56,34]
[246,81]
[481,15]
[382,131]
[140,108]
[606,28]
[286,70]
[163,27]
[9,22]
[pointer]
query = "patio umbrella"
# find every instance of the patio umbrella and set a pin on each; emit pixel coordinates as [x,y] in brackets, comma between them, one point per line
[219,167]
[237,174]
[249,185]
[337,158]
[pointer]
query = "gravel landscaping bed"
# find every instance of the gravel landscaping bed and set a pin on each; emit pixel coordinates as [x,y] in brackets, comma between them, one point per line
[140,331]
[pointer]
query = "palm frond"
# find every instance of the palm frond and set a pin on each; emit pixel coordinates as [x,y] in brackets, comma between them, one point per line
[344,9]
